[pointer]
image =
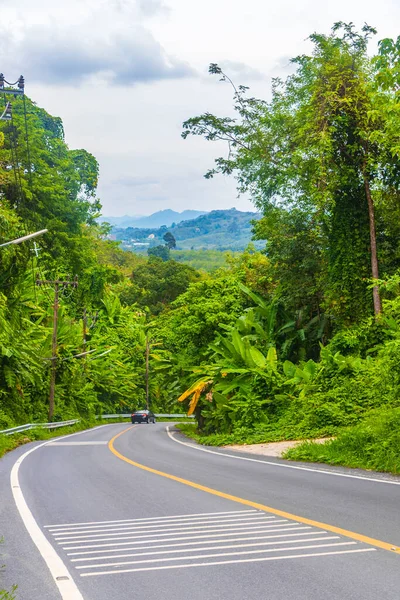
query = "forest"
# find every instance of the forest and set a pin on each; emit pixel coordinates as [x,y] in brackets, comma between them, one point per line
[295,341]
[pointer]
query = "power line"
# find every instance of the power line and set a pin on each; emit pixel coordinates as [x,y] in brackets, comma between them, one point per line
[20,91]
[27,143]
[17,175]
[15,140]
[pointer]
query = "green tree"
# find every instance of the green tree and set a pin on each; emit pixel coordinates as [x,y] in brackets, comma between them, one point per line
[193,320]
[318,146]
[161,252]
[169,240]
[157,283]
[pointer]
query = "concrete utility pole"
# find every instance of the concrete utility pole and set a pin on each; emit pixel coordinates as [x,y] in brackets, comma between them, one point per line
[57,283]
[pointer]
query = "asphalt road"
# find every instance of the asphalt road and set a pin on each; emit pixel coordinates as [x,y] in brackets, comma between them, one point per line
[122,532]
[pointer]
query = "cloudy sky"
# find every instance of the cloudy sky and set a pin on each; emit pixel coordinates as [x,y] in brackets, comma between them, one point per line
[124,74]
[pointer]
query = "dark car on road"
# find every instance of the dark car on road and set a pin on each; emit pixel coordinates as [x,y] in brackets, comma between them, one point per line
[143,416]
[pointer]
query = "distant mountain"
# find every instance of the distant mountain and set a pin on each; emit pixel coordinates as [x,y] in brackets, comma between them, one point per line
[125,221]
[162,217]
[218,230]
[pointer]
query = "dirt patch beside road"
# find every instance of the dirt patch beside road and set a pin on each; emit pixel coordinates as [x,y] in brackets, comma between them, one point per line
[272,449]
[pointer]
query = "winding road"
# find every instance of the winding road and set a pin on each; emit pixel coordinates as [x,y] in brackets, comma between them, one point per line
[140,512]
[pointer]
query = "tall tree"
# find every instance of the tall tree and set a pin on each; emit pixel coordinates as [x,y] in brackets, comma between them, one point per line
[169,240]
[317,146]
[50,185]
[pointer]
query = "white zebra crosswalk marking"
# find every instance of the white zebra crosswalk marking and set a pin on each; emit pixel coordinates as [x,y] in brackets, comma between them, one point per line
[195,537]
[189,541]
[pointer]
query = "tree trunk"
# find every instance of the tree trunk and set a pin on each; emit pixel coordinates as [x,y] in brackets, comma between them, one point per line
[199,417]
[374,256]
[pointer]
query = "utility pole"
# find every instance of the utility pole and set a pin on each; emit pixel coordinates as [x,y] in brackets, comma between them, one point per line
[6,87]
[57,283]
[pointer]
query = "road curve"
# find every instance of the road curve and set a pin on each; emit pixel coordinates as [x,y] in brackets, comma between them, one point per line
[119,531]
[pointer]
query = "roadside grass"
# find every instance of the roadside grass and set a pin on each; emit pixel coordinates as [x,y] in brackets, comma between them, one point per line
[373,444]
[8,595]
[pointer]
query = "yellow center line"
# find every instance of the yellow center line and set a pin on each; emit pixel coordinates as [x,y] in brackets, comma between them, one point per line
[268,509]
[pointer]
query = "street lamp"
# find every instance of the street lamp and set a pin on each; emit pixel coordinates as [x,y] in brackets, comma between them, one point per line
[25,237]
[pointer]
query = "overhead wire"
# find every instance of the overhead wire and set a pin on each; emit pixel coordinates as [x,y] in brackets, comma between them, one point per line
[13,131]
[28,151]
[11,84]
[18,179]
[14,138]
[15,162]
[17,169]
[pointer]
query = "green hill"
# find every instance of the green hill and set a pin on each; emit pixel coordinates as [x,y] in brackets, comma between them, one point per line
[217,230]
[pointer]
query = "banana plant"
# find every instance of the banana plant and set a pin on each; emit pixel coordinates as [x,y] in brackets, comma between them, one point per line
[239,374]
[262,318]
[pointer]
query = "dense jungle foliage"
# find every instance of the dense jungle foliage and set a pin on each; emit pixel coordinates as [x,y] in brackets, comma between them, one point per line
[299,340]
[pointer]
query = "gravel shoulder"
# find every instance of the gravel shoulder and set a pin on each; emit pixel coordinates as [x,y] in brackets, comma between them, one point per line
[276,449]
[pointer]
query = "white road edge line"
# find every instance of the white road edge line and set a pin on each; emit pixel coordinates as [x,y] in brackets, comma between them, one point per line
[61,576]
[226,562]
[279,465]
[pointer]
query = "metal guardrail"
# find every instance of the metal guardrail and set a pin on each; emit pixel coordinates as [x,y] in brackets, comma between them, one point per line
[177,416]
[22,428]
[162,416]
[28,426]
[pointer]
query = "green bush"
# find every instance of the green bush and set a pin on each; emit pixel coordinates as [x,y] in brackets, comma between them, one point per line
[372,444]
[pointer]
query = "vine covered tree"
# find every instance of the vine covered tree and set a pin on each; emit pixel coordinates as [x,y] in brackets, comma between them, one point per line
[319,146]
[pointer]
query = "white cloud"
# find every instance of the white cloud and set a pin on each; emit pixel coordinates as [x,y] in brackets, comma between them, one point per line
[134,130]
[111,43]
[240,71]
